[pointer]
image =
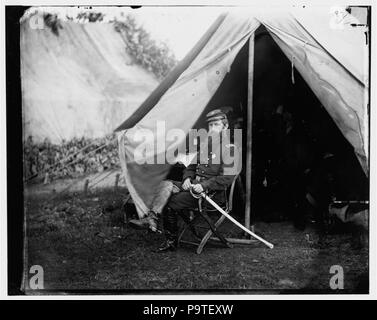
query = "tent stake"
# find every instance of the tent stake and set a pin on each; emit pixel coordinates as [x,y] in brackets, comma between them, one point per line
[249,129]
[86,185]
[116,181]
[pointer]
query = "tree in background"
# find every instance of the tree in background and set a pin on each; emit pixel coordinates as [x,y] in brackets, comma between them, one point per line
[153,56]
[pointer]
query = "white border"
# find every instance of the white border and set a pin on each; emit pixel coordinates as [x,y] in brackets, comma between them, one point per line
[3,174]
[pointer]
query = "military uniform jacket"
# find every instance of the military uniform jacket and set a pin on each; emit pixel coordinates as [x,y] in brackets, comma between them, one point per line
[212,174]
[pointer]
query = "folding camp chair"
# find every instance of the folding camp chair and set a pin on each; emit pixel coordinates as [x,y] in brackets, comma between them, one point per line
[202,213]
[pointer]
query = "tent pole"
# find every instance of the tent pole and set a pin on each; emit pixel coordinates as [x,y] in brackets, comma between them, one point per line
[249,132]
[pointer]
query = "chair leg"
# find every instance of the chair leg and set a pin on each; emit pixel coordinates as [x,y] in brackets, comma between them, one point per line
[188,225]
[212,231]
[191,224]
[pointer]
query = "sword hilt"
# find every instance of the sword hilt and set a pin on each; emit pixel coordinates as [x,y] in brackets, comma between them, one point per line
[196,195]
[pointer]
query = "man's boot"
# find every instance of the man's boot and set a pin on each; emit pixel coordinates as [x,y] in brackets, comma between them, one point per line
[170,230]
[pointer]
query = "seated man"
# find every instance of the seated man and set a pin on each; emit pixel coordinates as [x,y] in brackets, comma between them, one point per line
[210,176]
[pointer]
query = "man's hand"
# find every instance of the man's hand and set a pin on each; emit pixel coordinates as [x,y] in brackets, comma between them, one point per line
[197,188]
[186,184]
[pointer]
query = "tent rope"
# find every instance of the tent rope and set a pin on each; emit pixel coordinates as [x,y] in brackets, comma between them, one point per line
[103,178]
[59,162]
[77,160]
[73,161]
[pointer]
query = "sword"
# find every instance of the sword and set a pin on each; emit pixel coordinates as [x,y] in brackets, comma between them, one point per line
[221,210]
[350,202]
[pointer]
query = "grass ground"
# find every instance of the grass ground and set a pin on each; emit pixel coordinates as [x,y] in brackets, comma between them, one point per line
[82,243]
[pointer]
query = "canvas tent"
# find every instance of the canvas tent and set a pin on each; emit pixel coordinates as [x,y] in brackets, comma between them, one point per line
[65,95]
[332,61]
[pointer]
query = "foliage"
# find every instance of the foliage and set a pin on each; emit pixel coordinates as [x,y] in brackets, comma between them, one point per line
[53,22]
[153,56]
[90,16]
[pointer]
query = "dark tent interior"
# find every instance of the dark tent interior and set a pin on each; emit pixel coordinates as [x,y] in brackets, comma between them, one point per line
[300,159]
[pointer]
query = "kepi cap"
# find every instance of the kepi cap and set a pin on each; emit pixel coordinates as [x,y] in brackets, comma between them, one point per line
[215,115]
